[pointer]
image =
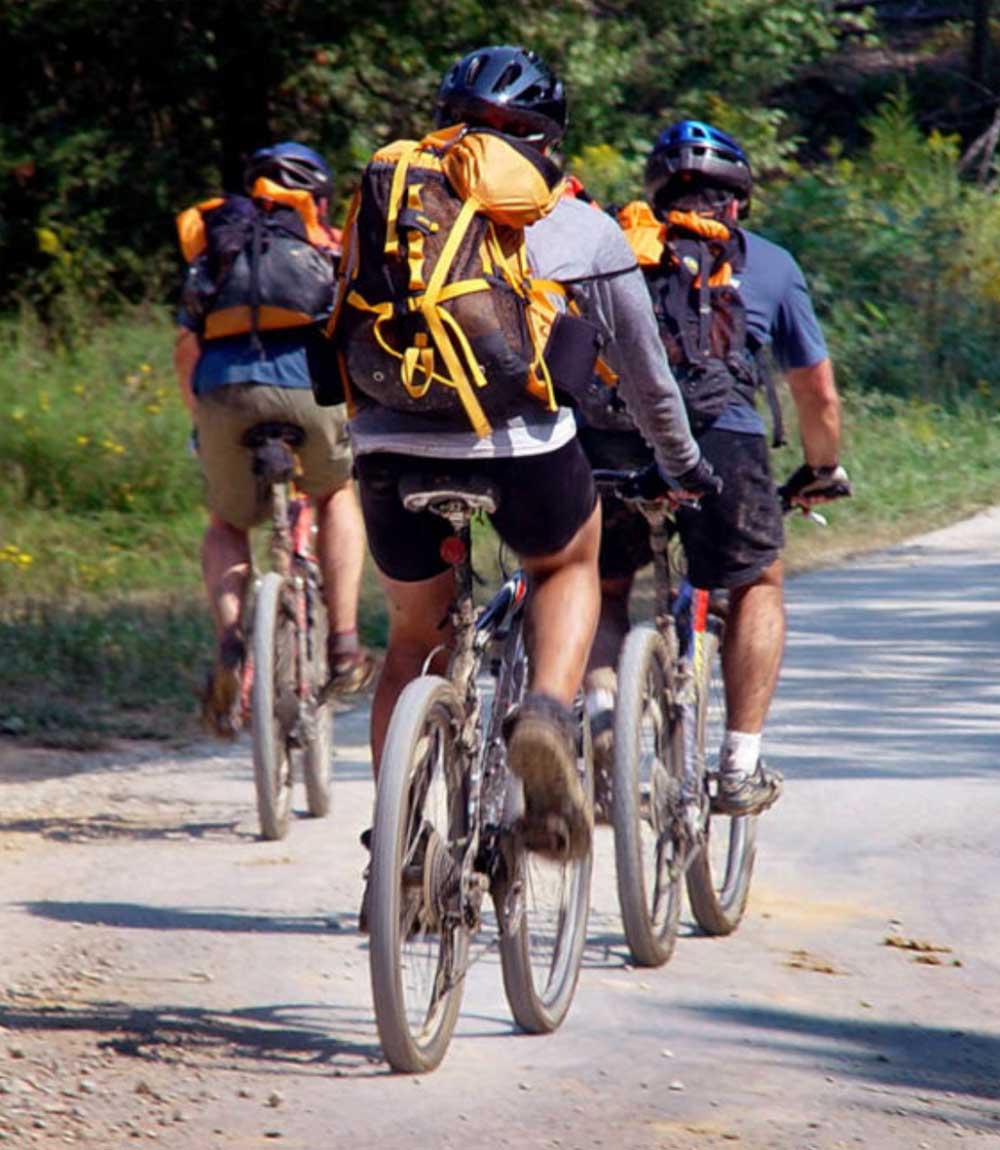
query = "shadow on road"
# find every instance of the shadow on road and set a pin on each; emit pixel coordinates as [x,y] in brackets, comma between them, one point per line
[101,827]
[144,917]
[888,1053]
[286,1033]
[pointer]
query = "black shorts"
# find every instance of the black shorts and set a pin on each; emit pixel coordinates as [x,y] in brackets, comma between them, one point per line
[544,501]
[728,542]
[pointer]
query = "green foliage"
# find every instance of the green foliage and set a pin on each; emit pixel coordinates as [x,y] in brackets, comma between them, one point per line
[898,254]
[95,428]
[119,114]
[78,675]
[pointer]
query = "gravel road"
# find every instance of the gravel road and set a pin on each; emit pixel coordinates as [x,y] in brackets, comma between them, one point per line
[166,977]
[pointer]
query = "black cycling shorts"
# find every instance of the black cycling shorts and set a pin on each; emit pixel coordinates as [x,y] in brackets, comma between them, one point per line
[544,501]
[729,542]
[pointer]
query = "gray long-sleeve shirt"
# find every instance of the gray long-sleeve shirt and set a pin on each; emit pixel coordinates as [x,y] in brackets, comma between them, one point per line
[585,250]
[573,243]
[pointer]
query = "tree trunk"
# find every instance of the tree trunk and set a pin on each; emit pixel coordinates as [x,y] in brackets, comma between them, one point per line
[979,48]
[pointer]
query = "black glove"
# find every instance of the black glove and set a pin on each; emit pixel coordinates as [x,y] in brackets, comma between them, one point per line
[650,484]
[700,479]
[814,483]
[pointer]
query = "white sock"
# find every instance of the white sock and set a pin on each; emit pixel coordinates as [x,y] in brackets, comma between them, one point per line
[740,752]
[600,687]
[599,701]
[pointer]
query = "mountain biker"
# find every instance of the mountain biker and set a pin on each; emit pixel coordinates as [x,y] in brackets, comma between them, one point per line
[734,542]
[548,511]
[229,385]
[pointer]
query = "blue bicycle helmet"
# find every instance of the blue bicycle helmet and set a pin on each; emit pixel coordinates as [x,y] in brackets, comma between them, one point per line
[693,148]
[507,88]
[292,165]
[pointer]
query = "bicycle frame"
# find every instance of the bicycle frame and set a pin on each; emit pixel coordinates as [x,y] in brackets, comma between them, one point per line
[473,633]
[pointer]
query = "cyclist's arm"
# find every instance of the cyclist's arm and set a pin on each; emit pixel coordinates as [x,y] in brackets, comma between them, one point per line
[187,352]
[818,406]
[645,382]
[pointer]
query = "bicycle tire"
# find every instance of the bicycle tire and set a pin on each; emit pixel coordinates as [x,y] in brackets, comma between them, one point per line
[273,706]
[648,773]
[317,748]
[421,762]
[718,878]
[540,957]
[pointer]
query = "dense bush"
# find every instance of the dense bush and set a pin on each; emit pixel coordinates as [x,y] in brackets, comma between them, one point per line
[903,258]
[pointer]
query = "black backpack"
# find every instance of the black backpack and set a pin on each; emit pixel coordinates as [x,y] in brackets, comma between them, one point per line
[701,315]
[256,264]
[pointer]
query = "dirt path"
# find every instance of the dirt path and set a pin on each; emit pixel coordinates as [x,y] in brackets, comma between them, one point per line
[166,977]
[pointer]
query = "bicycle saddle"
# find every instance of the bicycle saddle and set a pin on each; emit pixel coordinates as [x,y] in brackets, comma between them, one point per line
[422,491]
[260,433]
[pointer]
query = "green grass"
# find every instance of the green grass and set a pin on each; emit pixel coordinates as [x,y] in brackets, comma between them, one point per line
[103,626]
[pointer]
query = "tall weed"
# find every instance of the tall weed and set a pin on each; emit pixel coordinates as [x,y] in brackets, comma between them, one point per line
[93,427]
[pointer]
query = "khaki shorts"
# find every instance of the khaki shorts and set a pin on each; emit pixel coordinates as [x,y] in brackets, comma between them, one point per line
[225,414]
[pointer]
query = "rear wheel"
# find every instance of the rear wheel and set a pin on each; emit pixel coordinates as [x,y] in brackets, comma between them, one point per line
[419,941]
[274,705]
[646,785]
[544,917]
[718,879]
[317,748]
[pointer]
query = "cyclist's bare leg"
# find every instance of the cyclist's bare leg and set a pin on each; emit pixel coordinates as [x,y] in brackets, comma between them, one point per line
[225,566]
[751,661]
[564,608]
[340,547]
[418,622]
[563,612]
[613,624]
[753,647]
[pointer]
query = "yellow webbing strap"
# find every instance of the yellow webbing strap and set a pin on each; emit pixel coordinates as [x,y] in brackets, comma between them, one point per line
[396,198]
[415,242]
[435,325]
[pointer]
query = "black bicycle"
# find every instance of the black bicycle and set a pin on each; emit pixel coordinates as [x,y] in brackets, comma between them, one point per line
[669,719]
[447,825]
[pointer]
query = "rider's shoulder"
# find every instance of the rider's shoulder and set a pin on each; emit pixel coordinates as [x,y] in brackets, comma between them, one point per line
[766,258]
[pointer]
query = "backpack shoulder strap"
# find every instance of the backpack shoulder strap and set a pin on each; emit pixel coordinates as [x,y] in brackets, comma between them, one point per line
[191,227]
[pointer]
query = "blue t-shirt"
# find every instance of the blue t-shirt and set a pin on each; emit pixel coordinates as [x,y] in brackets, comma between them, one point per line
[780,316]
[279,361]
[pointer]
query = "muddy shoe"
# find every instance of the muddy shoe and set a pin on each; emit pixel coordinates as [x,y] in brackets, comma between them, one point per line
[221,705]
[349,674]
[741,794]
[541,750]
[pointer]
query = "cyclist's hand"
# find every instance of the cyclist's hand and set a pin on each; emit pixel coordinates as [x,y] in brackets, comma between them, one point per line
[809,485]
[698,481]
[650,484]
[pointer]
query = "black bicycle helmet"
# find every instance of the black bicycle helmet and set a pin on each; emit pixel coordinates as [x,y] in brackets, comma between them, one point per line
[292,165]
[507,88]
[691,147]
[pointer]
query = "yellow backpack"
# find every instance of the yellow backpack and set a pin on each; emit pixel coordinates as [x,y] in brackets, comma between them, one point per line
[436,312]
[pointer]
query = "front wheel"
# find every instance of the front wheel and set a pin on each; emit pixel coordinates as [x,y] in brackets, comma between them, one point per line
[419,939]
[317,743]
[646,785]
[544,919]
[718,879]
[274,705]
